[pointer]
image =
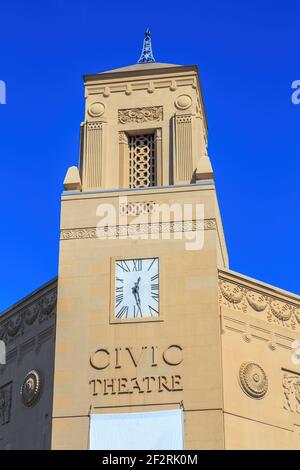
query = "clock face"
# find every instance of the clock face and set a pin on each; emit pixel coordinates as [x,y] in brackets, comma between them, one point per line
[136,288]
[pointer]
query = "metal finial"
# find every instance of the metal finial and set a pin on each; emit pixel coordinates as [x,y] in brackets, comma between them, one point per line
[147,54]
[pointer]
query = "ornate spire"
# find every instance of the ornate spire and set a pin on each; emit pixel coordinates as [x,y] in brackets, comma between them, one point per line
[147,54]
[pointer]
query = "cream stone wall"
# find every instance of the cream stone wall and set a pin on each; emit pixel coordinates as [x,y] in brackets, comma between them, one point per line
[187,332]
[221,347]
[259,325]
[166,100]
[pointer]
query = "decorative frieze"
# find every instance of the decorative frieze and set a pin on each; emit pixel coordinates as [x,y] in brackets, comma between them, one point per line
[256,300]
[171,84]
[291,390]
[5,403]
[253,380]
[123,230]
[248,300]
[39,311]
[138,208]
[140,115]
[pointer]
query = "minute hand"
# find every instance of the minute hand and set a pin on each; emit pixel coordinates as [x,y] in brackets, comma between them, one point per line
[135,291]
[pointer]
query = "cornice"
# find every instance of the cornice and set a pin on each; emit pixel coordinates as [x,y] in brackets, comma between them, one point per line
[104,76]
[257,284]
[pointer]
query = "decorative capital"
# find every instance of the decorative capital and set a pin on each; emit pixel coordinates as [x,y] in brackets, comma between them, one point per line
[147,54]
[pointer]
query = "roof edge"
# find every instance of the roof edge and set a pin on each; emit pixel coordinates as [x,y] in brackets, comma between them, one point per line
[143,72]
[243,277]
[28,297]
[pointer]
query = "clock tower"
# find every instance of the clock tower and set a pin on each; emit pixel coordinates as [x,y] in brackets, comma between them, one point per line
[138,324]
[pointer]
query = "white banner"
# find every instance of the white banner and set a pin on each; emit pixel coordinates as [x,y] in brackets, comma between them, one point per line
[157,430]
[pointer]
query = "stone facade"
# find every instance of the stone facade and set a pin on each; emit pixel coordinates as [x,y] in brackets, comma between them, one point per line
[223,347]
[260,324]
[26,380]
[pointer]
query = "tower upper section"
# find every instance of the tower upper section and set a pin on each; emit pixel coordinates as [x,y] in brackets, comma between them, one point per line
[144,125]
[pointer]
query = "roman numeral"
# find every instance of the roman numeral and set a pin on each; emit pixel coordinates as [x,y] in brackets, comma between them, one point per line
[137,264]
[153,261]
[119,289]
[153,311]
[124,266]
[154,278]
[119,279]
[119,299]
[123,312]
[154,296]
[154,286]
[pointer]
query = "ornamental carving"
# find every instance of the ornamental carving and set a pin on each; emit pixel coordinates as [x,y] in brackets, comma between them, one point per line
[143,228]
[253,380]
[41,310]
[232,292]
[5,403]
[31,388]
[14,325]
[139,115]
[94,126]
[184,118]
[281,310]
[31,314]
[183,102]
[240,297]
[291,390]
[138,208]
[96,109]
[142,169]
[256,300]
[297,314]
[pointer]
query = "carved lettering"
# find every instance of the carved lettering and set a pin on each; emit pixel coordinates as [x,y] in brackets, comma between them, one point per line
[117,351]
[141,358]
[136,385]
[162,381]
[172,356]
[102,358]
[135,360]
[122,386]
[98,360]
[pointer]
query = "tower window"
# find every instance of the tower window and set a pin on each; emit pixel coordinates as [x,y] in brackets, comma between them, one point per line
[142,168]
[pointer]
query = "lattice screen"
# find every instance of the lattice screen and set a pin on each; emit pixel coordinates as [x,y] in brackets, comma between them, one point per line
[142,161]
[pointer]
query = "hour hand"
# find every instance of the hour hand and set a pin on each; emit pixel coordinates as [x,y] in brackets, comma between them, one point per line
[138,304]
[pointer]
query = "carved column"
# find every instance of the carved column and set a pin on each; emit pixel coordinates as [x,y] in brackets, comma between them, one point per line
[182,148]
[123,160]
[93,155]
[158,157]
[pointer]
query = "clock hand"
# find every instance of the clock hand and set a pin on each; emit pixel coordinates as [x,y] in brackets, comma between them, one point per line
[135,291]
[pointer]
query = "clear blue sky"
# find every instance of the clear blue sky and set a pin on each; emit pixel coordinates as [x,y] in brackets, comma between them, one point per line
[248,56]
